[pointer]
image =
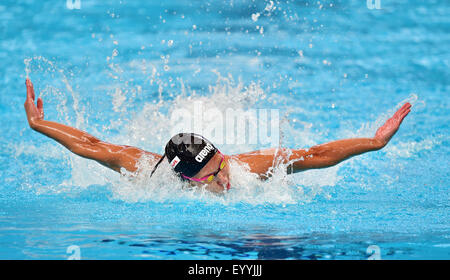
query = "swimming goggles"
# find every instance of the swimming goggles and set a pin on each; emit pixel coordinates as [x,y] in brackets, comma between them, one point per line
[210,177]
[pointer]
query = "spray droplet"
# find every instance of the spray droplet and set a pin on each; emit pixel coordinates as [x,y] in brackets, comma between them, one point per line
[255,17]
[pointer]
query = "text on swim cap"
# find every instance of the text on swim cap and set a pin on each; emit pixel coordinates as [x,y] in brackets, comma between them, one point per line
[204,152]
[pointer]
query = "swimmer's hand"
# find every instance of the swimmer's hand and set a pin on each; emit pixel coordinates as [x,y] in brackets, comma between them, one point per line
[385,132]
[34,113]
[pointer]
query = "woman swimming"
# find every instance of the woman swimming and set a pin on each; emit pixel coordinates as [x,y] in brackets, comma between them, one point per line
[197,160]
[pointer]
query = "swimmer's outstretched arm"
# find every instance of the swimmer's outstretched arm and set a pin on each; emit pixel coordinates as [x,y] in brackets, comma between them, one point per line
[324,155]
[80,142]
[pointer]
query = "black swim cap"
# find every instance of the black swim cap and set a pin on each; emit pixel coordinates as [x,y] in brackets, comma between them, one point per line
[188,153]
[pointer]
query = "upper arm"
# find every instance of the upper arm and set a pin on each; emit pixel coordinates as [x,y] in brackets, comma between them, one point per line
[295,160]
[312,158]
[113,156]
[263,161]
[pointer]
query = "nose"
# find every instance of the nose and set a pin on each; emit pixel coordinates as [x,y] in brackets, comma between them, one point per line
[222,179]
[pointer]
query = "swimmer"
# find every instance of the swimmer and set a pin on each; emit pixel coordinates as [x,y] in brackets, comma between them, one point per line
[197,161]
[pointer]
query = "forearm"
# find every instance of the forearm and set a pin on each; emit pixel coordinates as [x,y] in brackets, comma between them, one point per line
[341,150]
[332,153]
[73,139]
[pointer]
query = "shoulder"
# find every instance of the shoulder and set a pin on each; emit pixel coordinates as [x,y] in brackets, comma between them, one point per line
[128,157]
[135,152]
[261,161]
[269,153]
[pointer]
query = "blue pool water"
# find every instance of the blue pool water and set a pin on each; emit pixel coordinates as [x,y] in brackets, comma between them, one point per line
[333,69]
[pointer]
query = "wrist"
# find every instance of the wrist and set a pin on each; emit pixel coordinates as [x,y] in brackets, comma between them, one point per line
[378,143]
[34,123]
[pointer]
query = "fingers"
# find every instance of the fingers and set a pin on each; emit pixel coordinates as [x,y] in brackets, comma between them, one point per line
[407,104]
[30,89]
[405,107]
[400,114]
[404,114]
[40,106]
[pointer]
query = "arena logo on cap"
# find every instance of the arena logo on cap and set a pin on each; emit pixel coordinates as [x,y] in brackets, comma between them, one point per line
[204,152]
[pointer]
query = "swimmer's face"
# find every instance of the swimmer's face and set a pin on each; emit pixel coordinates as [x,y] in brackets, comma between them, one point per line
[221,181]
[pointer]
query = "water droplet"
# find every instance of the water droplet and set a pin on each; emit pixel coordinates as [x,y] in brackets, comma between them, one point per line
[255,17]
